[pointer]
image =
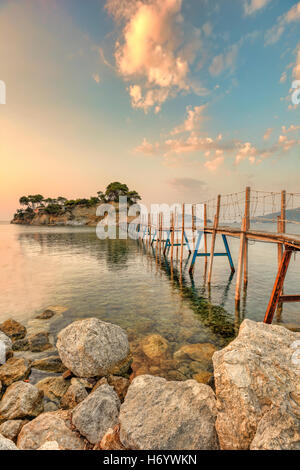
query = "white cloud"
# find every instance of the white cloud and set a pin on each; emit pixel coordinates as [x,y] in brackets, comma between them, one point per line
[252,6]
[268,133]
[274,34]
[214,164]
[192,121]
[283,78]
[96,78]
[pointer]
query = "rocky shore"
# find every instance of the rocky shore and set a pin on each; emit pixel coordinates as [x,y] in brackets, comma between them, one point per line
[88,397]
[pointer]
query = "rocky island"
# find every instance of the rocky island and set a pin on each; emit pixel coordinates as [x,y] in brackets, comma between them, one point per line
[37,210]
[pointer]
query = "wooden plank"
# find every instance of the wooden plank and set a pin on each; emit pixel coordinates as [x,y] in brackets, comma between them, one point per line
[278,286]
[289,298]
[213,240]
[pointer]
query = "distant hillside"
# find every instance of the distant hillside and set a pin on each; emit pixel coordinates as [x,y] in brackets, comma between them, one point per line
[291,214]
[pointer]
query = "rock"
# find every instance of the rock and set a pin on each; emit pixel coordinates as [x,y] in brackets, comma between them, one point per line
[48,313]
[49,445]
[39,342]
[175,375]
[253,374]
[162,415]
[6,340]
[51,406]
[49,364]
[122,369]
[11,428]
[279,429]
[6,444]
[21,345]
[13,370]
[21,400]
[67,375]
[201,352]
[91,348]
[97,413]
[155,347]
[13,329]
[75,394]
[111,440]
[203,377]
[53,387]
[49,427]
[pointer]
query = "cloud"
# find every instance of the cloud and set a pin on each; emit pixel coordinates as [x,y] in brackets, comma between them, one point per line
[192,121]
[96,77]
[152,52]
[274,34]
[296,70]
[292,128]
[187,184]
[283,78]
[268,133]
[214,164]
[224,61]
[252,6]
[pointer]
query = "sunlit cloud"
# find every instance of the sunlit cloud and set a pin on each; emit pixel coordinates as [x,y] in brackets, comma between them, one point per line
[274,34]
[252,6]
[152,52]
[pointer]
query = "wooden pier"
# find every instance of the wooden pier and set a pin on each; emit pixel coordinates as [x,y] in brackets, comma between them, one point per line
[175,231]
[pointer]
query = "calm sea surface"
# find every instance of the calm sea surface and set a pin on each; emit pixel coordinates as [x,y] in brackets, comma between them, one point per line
[120,282]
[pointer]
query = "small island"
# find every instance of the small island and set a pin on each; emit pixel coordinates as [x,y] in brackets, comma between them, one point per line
[37,210]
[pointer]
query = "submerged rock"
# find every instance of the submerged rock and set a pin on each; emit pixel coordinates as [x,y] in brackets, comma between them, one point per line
[48,313]
[155,347]
[49,427]
[253,378]
[91,348]
[6,444]
[97,413]
[13,329]
[21,400]
[39,342]
[162,415]
[13,370]
[201,352]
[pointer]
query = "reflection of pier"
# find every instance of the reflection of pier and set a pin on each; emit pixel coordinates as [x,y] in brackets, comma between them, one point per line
[174,233]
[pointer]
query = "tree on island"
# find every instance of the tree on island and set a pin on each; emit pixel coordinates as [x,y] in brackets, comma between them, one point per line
[116,190]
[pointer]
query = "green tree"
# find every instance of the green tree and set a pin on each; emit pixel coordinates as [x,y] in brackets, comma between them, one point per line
[115,190]
[24,201]
[133,197]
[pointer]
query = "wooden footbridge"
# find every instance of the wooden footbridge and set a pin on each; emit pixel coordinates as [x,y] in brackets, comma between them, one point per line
[228,216]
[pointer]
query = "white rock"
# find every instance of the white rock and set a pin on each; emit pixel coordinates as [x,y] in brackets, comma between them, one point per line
[253,374]
[21,400]
[91,347]
[6,444]
[162,415]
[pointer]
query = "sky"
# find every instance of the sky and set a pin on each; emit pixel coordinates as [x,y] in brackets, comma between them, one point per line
[179,99]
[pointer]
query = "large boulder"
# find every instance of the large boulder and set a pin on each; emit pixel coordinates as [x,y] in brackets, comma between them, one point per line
[91,348]
[49,427]
[13,370]
[97,413]
[254,375]
[161,415]
[13,329]
[21,400]
[6,444]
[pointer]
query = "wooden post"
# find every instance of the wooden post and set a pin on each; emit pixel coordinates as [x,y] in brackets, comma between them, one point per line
[213,239]
[182,235]
[247,217]
[205,236]
[172,237]
[193,225]
[240,264]
[278,286]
